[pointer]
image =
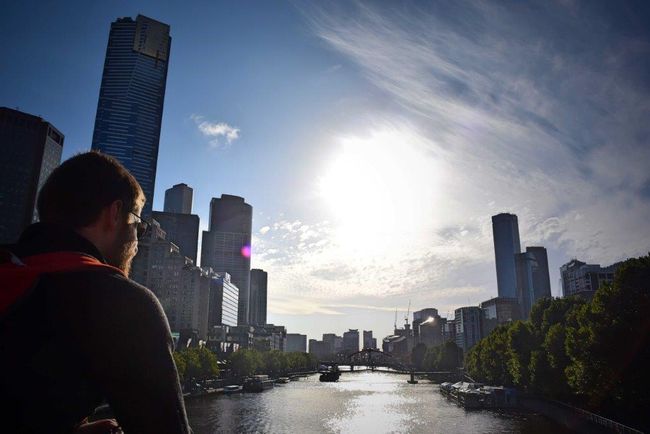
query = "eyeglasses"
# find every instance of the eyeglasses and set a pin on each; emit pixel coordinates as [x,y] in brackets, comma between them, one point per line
[142,225]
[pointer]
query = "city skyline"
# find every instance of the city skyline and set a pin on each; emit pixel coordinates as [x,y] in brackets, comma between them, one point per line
[309,117]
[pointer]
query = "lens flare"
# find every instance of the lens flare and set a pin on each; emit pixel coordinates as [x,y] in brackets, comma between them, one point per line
[246,251]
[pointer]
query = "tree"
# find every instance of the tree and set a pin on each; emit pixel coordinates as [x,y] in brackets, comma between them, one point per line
[609,344]
[520,345]
[245,362]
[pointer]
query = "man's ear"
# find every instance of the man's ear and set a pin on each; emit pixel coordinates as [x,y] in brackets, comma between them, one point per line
[114,214]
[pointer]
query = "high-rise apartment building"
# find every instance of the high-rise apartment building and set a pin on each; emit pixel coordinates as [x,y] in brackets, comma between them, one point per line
[533,281]
[468,327]
[368,340]
[224,301]
[226,245]
[131,97]
[581,279]
[258,297]
[351,341]
[421,316]
[178,199]
[182,230]
[31,150]
[505,230]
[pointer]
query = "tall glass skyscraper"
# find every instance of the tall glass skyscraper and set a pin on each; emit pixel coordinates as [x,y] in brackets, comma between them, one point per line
[505,230]
[131,97]
[226,245]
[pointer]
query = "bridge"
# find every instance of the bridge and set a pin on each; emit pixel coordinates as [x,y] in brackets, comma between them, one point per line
[370,359]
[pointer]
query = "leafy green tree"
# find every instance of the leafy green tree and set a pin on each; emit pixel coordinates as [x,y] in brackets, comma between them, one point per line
[181,366]
[521,343]
[449,357]
[609,345]
[245,362]
[431,358]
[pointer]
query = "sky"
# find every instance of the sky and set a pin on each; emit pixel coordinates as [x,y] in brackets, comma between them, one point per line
[375,140]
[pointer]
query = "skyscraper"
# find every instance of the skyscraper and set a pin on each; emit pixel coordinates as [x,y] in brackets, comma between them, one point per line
[533,281]
[131,97]
[178,199]
[226,245]
[505,230]
[31,150]
[258,297]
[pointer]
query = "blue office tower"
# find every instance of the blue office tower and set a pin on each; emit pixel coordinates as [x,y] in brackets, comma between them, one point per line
[129,112]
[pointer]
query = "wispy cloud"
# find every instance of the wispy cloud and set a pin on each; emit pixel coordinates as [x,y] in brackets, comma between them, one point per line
[221,134]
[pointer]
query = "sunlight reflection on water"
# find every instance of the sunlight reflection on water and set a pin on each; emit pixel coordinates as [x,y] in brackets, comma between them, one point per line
[362,402]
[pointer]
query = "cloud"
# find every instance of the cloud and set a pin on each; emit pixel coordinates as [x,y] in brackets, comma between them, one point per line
[216,131]
[264,230]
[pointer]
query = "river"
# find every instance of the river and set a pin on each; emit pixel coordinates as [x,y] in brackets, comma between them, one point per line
[363,402]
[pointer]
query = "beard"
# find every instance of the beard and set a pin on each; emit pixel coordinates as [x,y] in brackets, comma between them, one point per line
[123,251]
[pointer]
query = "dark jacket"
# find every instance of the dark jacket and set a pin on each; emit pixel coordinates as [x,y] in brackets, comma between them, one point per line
[79,338]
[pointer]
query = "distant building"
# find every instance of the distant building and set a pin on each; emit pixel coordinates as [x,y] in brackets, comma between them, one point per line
[226,245]
[224,301]
[420,316]
[395,345]
[31,150]
[351,341]
[218,341]
[581,279]
[368,340]
[505,230]
[449,331]
[334,343]
[178,199]
[319,349]
[497,311]
[431,331]
[468,327]
[242,336]
[182,288]
[533,282]
[296,343]
[258,297]
[182,230]
[131,97]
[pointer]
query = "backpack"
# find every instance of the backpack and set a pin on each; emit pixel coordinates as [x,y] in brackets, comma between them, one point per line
[19,275]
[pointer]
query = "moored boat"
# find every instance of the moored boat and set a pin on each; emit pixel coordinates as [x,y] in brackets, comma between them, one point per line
[257,383]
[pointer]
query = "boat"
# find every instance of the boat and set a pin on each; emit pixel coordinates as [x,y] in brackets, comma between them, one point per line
[257,383]
[282,380]
[233,388]
[329,376]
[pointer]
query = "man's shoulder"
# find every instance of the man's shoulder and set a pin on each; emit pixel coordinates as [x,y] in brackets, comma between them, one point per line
[105,285]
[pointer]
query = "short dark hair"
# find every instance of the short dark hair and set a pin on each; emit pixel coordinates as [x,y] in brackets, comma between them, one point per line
[79,189]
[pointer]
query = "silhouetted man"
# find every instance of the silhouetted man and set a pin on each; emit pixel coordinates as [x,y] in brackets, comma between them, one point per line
[74,330]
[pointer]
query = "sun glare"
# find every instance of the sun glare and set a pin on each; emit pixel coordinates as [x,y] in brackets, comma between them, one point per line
[379,190]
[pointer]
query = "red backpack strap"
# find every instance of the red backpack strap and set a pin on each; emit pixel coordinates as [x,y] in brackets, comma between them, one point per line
[18,275]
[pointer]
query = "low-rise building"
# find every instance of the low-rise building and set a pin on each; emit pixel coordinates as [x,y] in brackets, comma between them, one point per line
[499,310]
[468,327]
[581,279]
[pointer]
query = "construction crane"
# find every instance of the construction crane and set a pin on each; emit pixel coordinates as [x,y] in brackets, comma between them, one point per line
[406,318]
[395,323]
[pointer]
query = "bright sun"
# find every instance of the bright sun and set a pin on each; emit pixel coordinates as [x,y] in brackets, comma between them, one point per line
[380,191]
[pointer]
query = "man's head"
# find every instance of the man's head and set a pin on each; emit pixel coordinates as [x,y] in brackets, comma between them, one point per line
[97,197]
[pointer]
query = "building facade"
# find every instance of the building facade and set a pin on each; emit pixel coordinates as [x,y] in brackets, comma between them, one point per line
[505,231]
[182,230]
[178,199]
[131,97]
[31,150]
[499,310]
[582,279]
[296,343]
[533,281]
[226,245]
[258,297]
[468,327]
[368,340]
[351,341]
[224,301]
